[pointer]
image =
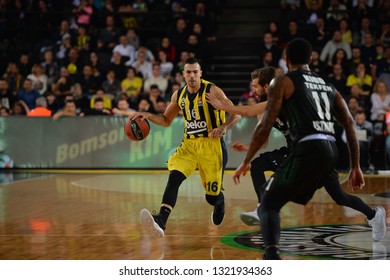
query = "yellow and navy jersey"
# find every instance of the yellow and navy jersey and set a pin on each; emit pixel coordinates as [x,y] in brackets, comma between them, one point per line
[199,116]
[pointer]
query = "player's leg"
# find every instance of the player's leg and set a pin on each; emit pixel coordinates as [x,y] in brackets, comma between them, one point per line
[211,172]
[268,161]
[181,164]
[376,217]
[296,180]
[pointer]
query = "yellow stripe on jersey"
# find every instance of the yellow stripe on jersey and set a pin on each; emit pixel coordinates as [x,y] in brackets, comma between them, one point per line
[199,116]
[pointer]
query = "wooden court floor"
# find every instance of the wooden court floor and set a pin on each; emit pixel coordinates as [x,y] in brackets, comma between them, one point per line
[94,215]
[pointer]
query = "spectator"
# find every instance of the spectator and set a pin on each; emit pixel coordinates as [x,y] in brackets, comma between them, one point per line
[83,43]
[81,100]
[368,50]
[156,79]
[98,70]
[83,13]
[107,104]
[133,38]
[69,110]
[319,34]
[117,65]
[165,65]
[316,65]
[7,98]
[336,12]
[339,57]
[98,109]
[346,32]
[144,105]
[313,10]
[353,105]
[4,112]
[63,32]
[155,96]
[40,109]
[122,109]
[24,65]
[273,28]
[168,49]
[27,94]
[365,27]
[63,85]
[339,80]
[149,53]
[178,35]
[108,36]
[52,103]
[332,45]
[13,77]
[384,38]
[361,78]
[88,81]
[142,66]
[50,67]
[63,49]
[365,135]
[111,85]
[132,86]
[19,109]
[126,50]
[292,31]
[380,100]
[38,78]
[195,48]
[267,44]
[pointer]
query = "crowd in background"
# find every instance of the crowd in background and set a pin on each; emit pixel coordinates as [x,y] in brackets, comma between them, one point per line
[109,57]
[98,57]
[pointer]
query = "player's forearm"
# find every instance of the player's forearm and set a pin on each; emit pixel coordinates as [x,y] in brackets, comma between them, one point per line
[231,121]
[353,145]
[160,120]
[259,139]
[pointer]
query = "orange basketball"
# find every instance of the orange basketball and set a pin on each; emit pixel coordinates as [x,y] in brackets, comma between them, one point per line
[137,129]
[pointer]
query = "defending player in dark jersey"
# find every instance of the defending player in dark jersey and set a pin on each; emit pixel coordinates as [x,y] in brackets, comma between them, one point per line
[310,105]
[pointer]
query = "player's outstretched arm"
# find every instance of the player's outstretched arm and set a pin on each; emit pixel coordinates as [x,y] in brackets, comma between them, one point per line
[221,102]
[165,119]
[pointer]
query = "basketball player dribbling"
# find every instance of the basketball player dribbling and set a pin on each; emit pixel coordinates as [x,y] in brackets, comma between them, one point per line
[202,147]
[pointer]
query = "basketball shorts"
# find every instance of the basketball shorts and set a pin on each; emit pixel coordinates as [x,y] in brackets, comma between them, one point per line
[206,154]
[308,166]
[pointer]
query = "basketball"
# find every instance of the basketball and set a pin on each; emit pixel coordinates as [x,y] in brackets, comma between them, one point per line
[137,130]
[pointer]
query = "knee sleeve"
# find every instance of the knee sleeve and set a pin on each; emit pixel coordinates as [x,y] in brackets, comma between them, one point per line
[171,190]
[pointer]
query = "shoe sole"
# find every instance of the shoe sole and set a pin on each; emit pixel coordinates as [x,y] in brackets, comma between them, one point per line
[148,222]
[212,221]
[381,209]
[249,220]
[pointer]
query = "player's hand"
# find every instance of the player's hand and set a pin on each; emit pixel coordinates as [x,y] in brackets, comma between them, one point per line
[142,115]
[239,147]
[217,132]
[241,170]
[356,179]
[219,101]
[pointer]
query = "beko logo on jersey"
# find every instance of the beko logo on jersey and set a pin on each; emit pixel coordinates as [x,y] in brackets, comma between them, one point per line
[196,124]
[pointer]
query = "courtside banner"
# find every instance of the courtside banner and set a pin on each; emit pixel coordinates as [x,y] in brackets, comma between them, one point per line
[100,142]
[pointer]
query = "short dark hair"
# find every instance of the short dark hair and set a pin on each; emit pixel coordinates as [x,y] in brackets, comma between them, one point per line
[191,60]
[299,51]
[265,75]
